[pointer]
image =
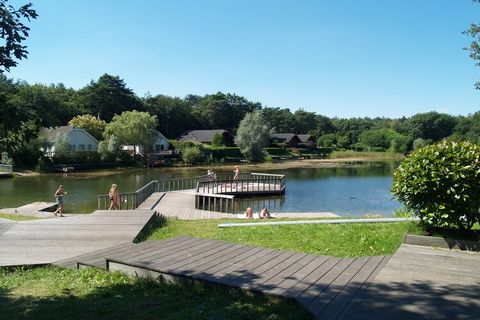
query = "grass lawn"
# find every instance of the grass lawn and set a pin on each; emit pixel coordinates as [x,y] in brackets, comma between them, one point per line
[56,293]
[347,240]
[16,217]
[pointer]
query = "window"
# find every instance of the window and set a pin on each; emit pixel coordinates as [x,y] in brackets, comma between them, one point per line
[81,147]
[89,147]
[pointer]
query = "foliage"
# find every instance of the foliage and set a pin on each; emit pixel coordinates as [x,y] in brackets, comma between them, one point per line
[419,143]
[431,125]
[62,145]
[218,140]
[13,32]
[474,32]
[219,153]
[109,149]
[84,157]
[56,293]
[194,154]
[327,140]
[441,184]
[133,128]
[108,96]
[6,159]
[382,139]
[341,240]
[252,136]
[89,123]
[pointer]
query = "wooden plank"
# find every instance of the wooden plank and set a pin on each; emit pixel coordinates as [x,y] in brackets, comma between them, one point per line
[303,285]
[293,280]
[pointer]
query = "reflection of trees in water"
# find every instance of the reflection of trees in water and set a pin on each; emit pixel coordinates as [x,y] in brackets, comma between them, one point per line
[273,203]
[351,169]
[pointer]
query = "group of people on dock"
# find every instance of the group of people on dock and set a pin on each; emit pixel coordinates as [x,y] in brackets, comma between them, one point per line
[264,213]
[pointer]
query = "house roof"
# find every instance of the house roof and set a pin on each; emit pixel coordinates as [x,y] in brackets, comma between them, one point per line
[305,137]
[202,135]
[284,136]
[53,132]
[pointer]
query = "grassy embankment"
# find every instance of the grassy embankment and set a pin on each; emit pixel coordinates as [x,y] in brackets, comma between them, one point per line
[54,293]
[349,154]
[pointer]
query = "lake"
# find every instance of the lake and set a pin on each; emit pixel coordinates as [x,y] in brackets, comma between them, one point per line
[349,189]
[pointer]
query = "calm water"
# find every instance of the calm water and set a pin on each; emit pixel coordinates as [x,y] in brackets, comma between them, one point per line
[350,190]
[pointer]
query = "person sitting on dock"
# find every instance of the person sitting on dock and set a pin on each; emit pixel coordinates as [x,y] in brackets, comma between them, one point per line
[59,199]
[265,214]
[113,195]
[249,213]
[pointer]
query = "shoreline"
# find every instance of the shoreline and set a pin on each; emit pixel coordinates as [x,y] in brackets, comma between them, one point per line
[306,163]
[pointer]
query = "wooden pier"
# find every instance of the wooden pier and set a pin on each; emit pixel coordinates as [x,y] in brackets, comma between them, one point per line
[48,240]
[324,285]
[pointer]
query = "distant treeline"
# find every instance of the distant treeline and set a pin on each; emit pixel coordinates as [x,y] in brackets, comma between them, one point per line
[26,108]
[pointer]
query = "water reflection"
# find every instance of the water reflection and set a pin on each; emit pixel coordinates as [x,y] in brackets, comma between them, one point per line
[349,189]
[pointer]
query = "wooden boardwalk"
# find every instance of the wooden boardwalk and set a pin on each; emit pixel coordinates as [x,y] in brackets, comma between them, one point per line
[181,205]
[48,240]
[326,286]
[423,283]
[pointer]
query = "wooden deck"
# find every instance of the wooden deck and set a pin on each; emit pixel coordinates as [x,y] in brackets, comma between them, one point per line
[181,205]
[48,240]
[423,283]
[324,285]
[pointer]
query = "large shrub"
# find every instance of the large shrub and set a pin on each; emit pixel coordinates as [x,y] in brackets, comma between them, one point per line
[441,184]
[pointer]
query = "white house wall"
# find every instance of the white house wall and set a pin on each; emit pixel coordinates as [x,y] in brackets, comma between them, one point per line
[79,138]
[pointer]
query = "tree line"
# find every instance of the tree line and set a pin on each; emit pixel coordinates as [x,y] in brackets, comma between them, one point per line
[26,108]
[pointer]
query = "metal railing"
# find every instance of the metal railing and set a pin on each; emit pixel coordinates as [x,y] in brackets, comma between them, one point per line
[177,184]
[6,168]
[129,200]
[252,184]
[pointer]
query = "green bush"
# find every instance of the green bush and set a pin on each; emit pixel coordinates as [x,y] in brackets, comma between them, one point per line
[84,157]
[441,184]
[219,153]
[277,151]
[193,154]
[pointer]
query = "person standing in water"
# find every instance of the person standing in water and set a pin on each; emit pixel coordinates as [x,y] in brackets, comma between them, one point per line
[59,199]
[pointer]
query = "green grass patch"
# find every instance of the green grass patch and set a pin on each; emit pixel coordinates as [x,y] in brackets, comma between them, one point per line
[16,217]
[341,240]
[56,293]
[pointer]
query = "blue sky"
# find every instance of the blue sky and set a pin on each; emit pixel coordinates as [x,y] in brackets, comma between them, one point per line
[348,58]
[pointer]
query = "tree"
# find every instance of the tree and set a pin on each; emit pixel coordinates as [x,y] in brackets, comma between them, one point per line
[218,140]
[89,123]
[474,32]
[253,135]
[304,121]
[280,119]
[431,125]
[327,140]
[13,32]
[108,96]
[133,128]
[382,139]
[440,183]
[62,145]
[174,114]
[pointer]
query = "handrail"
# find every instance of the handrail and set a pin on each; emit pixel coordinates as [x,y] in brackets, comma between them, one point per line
[6,168]
[255,183]
[129,200]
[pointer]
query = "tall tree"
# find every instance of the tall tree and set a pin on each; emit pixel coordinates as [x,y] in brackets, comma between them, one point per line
[108,96]
[89,123]
[280,119]
[253,135]
[13,31]
[174,114]
[133,128]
